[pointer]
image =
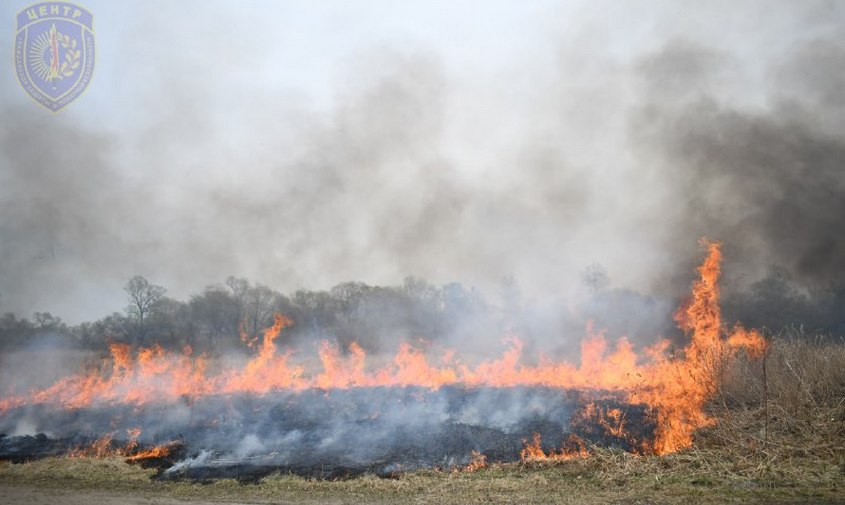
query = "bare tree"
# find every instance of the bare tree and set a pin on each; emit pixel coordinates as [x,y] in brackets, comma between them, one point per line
[255,305]
[238,286]
[217,313]
[45,320]
[595,277]
[143,298]
[259,308]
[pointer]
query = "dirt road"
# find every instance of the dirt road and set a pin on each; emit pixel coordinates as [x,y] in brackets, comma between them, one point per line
[15,495]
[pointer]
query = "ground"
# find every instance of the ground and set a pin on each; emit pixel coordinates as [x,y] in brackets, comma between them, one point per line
[604,478]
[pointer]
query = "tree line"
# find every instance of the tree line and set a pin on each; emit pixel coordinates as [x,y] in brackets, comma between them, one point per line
[222,316]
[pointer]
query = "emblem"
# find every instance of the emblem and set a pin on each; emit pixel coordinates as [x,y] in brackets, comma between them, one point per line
[54,52]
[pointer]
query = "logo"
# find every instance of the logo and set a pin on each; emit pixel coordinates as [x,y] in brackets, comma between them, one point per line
[54,52]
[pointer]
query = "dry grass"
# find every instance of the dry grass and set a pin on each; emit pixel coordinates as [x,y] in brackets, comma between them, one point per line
[786,411]
[606,477]
[780,438]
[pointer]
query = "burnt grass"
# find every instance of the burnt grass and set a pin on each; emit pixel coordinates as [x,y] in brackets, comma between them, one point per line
[329,434]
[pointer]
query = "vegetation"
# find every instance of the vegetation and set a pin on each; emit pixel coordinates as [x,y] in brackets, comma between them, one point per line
[216,320]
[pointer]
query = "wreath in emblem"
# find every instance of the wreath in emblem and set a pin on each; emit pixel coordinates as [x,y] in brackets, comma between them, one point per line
[45,55]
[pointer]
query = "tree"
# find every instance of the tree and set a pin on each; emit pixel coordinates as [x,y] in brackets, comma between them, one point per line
[47,321]
[143,298]
[595,278]
[217,313]
[258,309]
[255,305]
[238,286]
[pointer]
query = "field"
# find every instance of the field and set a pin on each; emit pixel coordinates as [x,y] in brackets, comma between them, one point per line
[779,437]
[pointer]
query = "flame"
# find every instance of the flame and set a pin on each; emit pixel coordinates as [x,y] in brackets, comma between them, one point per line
[613,421]
[675,388]
[104,447]
[265,372]
[533,451]
[99,448]
[133,434]
[477,461]
[158,451]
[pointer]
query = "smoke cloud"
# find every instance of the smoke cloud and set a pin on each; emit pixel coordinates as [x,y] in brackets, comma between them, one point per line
[586,142]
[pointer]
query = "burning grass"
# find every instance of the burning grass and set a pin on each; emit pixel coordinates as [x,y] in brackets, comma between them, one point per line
[673,387]
[735,416]
[779,436]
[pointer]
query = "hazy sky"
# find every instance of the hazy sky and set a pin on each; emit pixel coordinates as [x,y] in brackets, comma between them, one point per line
[302,144]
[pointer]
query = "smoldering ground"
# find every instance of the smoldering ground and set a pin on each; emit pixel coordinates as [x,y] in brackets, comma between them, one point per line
[324,433]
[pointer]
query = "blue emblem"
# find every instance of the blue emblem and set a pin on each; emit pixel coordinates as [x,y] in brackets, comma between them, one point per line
[54,52]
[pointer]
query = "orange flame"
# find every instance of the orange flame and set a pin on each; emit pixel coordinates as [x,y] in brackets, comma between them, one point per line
[533,451]
[99,448]
[675,388]
[104,447]
[477,461]
[158,451]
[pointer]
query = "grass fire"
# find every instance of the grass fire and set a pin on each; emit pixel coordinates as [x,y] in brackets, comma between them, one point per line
[422,252]
[191,417]
[649,404]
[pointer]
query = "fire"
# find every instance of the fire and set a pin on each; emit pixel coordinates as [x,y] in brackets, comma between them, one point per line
[99,448]
[106,446]
[477,461]
[612,420]
[533,451]
[158,451]
[265,372]
[675,388]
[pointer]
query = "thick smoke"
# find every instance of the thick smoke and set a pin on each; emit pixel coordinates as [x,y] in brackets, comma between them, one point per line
[768,181]
[411,161]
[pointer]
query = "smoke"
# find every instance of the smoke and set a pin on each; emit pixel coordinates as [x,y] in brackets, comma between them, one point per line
[588,142]
[767,182]
[55,360]
[327,433]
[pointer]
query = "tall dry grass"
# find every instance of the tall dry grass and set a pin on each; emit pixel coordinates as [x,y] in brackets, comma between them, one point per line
[784,411]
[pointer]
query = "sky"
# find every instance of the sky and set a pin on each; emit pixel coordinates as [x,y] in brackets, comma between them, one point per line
[303,144]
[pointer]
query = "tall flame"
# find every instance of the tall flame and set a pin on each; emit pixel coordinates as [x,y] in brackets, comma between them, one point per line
[675,388]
